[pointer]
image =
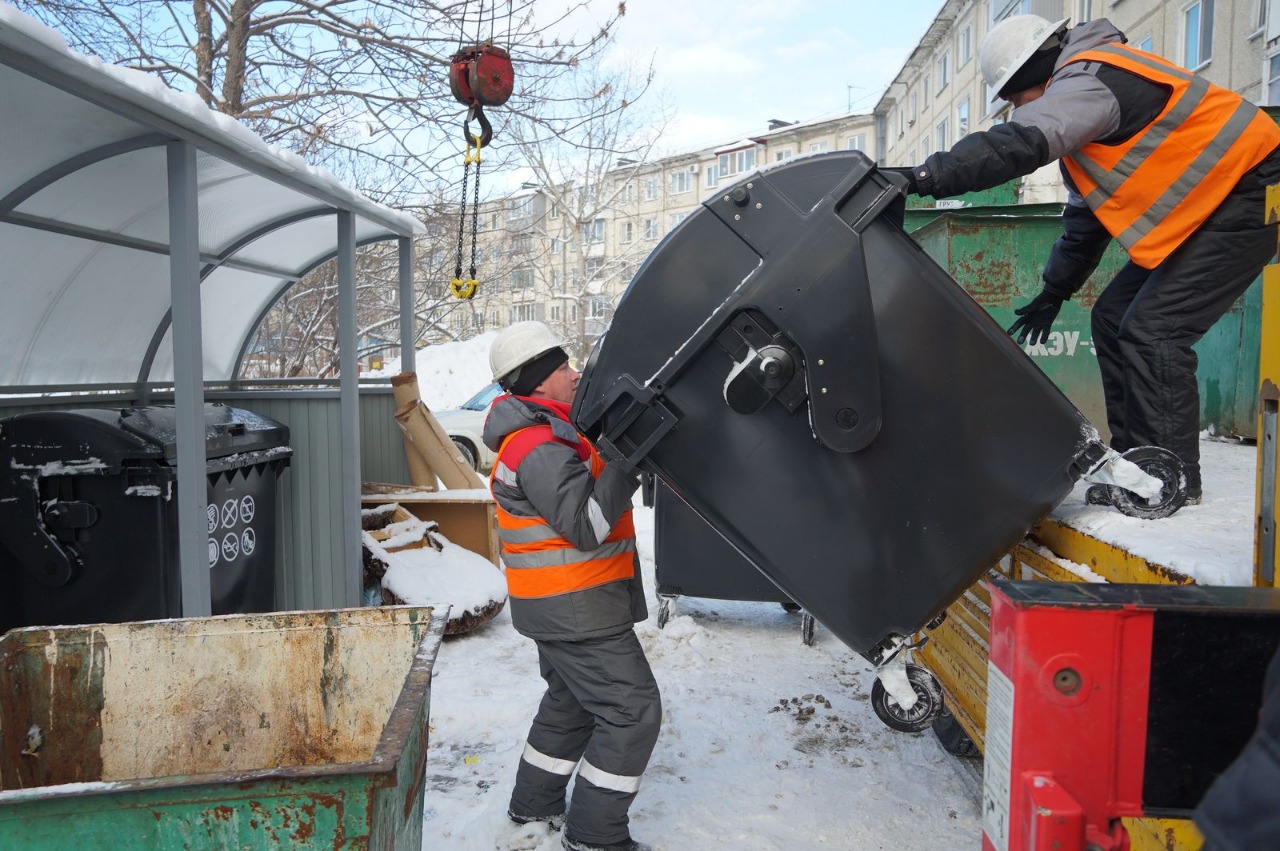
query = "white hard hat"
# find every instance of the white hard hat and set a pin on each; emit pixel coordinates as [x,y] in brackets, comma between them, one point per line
[518,344]
[1010,44]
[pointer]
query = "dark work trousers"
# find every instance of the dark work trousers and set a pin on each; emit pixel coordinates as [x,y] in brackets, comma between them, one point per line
[1145,323]
[601,713]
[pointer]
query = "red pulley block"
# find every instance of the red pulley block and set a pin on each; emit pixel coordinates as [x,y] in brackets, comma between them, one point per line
[481,74]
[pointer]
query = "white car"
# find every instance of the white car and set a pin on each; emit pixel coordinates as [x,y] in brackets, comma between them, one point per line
[465,426]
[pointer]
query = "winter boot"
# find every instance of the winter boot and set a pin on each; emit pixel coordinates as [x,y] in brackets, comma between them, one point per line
[554,822]
[571,844]
[1098,495]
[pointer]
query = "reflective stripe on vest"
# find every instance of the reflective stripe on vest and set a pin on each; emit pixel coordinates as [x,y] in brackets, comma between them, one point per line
[1155,189]
[541,563]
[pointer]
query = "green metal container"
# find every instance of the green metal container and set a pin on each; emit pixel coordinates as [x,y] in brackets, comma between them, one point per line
[287,730]
[997,255]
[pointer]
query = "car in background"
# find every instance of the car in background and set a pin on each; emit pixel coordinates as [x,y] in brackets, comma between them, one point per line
[465,425]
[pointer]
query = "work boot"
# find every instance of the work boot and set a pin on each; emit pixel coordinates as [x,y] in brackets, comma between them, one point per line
[554,822]
[1098,495]
[1194,495]
[571,844]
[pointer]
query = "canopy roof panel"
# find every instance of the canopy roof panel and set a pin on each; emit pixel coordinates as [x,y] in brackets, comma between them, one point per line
[84,219]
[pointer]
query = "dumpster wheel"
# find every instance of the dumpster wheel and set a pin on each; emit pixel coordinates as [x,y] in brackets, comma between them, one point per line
[665,602]
[1166,467]
[918,717]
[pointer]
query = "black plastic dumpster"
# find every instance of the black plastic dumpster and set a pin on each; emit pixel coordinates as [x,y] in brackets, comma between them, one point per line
[89,516]
[829,400]
[691,559]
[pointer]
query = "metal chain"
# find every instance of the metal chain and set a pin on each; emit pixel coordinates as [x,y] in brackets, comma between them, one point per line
[462,217]
[475,215]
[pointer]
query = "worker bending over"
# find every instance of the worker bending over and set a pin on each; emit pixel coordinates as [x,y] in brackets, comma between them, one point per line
[1172,166]
[573,577]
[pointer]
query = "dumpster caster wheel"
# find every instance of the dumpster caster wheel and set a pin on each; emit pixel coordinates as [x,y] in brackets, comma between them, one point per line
[665,603]
[791,608]
[1166,467]
[927,706]
[806,629]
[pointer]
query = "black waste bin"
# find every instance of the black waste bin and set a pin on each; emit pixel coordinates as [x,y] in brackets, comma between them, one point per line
[819,391]
[690,559]
[89,514]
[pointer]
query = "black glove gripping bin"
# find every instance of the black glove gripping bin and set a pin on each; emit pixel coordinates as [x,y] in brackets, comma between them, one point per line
[833,403]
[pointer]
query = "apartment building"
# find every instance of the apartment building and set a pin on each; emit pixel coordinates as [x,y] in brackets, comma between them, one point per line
[939,94]
[565,254]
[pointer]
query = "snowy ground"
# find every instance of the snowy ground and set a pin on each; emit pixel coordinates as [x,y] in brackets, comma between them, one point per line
[740,764]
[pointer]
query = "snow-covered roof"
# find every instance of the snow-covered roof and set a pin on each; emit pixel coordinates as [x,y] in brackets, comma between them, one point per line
[84,218]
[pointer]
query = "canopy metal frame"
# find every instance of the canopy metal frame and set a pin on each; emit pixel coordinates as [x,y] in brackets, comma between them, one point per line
[183,134]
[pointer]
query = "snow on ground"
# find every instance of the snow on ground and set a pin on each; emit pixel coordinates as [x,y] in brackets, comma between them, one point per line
[739,764]
[1211,542]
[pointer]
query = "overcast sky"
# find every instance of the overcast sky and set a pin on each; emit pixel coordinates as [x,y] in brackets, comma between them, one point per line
[728,66]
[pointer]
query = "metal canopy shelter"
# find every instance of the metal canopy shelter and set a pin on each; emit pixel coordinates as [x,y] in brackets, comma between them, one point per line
[144,238]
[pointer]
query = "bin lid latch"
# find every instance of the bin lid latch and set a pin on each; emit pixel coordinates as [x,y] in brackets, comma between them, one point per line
[48,560]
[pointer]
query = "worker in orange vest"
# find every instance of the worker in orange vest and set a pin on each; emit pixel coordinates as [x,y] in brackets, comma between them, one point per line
[573,579]
[1154,156]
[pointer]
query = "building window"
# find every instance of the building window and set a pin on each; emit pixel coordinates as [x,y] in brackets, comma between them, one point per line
[557,281]
[817,147]
[1146,45]
[628,193]
[555,245]
[651,189]
[555,313]
[1273,79]
[965,46]
[736,162]
[521,279]
[941,132]
[962,119]
[524,312]
[1260,18]
[627,232]
[1086,11]
[555,211]
[944,69]
[681,181]
[650,228]
[857,143]
[594,266]
[593,231]
[915,106]
[783,154]
[677,218]
[926,146]
[711,177]
[926,91]
[519,208]
[573,313]
[597,308]
[1197,34]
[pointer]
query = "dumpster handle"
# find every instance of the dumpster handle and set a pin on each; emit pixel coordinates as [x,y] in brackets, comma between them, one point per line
[640,400]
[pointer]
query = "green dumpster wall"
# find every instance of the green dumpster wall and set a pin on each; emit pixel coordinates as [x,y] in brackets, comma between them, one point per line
[997,252]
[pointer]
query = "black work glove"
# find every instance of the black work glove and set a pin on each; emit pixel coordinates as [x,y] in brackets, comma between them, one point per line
[1035,319]
[913,188]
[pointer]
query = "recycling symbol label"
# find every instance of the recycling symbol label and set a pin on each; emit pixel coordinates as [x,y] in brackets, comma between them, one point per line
[213,552]
[248,541]
[212,512]
[230,546]
[246,509]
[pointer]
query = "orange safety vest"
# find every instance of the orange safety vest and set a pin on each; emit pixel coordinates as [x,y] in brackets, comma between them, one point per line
[1154,190]
[539,561]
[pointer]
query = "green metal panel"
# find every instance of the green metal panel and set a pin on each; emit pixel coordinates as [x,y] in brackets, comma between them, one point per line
[297,730]
[997,254]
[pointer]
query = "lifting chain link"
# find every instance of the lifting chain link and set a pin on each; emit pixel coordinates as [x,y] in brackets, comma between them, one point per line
[466,289]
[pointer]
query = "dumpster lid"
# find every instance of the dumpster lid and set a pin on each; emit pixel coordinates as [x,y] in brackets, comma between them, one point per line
[101,440]
[227,430]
